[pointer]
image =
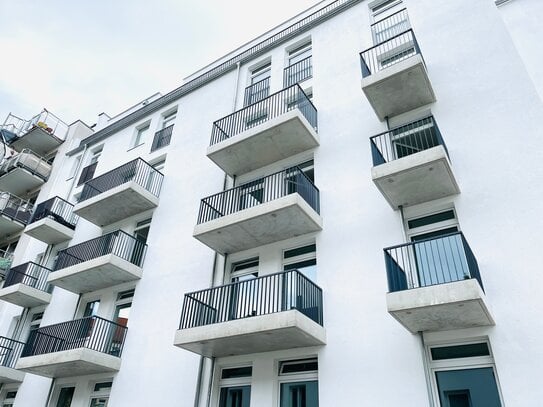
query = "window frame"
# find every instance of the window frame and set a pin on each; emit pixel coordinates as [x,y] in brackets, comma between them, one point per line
[141,134]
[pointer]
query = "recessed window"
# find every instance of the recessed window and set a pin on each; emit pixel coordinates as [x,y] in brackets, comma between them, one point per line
[428,220]
[244,270]
[169,119]
[298,366]
[237,372]
[460,351]
[141,134]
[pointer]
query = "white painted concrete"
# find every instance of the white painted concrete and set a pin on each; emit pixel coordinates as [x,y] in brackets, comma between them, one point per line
[24,295]
[49,231]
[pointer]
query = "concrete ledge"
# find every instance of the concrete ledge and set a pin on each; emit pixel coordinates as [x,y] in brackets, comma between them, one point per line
[456,305]
[264,333]
[269,222]
[274,140]
[49,231]
[37,140]
[68,363]
[24,295]
[116,204]
[19,181]
[9,375]
[416,178]
[104,271]
[399,88]
[9,226]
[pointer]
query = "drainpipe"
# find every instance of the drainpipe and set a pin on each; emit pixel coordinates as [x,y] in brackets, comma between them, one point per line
[210,384]
[426,371]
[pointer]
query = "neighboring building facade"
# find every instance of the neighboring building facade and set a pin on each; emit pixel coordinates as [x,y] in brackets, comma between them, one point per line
[360,229]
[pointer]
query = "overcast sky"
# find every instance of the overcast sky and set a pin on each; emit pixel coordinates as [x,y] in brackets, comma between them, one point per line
[80,58]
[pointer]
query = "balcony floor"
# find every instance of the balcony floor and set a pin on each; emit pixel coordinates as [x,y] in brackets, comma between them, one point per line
[68,363]
[456,305]
[24,295]
[269,222]
[49,231]
[19,181]
[10,375]
[37,140]
[264,333]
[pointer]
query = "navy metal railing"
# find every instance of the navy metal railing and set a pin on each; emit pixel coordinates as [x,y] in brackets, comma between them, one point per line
[432,261]
[162,138]
[30,274]
[10,351]
[93,332]
[298,72]
[256,92]
[57,209]
[118,243]
[138,171]
[275,186]
[390,26]
[273,106]
[405,140]
[269,294]
[388,53]
[15,208]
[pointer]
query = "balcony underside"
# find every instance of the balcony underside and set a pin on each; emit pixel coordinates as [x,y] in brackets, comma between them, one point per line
[24,295]
[49,231]
[274,140]
[416,178]
[9,375]
[68,363]
[19,181]
[269,222]
[456,305]
[116,204]
[37,140]
[399,88]
[8,226]
[101,272]
[264,333]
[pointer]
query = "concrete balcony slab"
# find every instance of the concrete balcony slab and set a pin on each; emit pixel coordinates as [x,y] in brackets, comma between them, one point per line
[9,226]
[10,375]
[24,295]
[49,231]
[38,140]
[19,181]
[264,333]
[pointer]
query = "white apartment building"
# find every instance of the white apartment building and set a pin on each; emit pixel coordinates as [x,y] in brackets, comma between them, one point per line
[342,212]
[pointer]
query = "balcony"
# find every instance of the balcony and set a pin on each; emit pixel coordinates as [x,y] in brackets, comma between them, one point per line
[274,312]
[435,285]
[267,210]
[394,76]
[84,346]
[41,134]
[125,191]
[277,127]
[15,213]
[106,261]
[6,259]
[53,221]
[411,164]
[10,351]
[298,72]
[26,285]
[162,138]
[24,172]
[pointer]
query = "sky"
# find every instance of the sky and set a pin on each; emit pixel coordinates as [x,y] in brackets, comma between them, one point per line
[80,58]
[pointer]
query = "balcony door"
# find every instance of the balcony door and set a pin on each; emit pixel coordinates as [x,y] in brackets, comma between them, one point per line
[123,305]
[239,396]
[468,388]
[243,296]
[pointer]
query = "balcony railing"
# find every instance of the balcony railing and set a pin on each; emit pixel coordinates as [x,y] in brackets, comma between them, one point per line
[273,106]
[6,259]
[269,294]
[15,208]
[10,351]
[29,274]
[118,243]
[57,209]
[45,120]
[406,140]
[29,161]
[390,26]
[87,173]
[427,262]
[138,171]
[94,333]
[267,189]
[256,92]
[298,72]
[162,138]
[389,53]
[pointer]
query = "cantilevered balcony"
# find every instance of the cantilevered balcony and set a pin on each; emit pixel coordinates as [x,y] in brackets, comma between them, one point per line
[298,72]
[6,259]
[118,194]
[53,221]
[26,285]
[269,209]
[411,164]
[274,128]
[102,262]
[273,312]
[84,346]
[41,134]
[23,172]
[394,76]
[15,213]
[435,285]
[10,351]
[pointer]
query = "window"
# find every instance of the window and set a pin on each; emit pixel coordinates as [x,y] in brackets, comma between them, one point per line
[91,308]
[259,84]
[75,167]
[299,65]
[141,134]
[9,398]
[235,387]
[241,303]
[65,397]
[169,119]
[303,259]
[298,383]
[244,270]
[35,322]
[100,394]
[383,8]
[123,305]
[87,173]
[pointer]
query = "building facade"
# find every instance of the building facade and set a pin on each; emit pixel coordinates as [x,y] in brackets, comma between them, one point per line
[342,211]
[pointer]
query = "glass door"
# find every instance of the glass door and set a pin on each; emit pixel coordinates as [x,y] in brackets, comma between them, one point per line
[300,394]
[468,388]
[239,396]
